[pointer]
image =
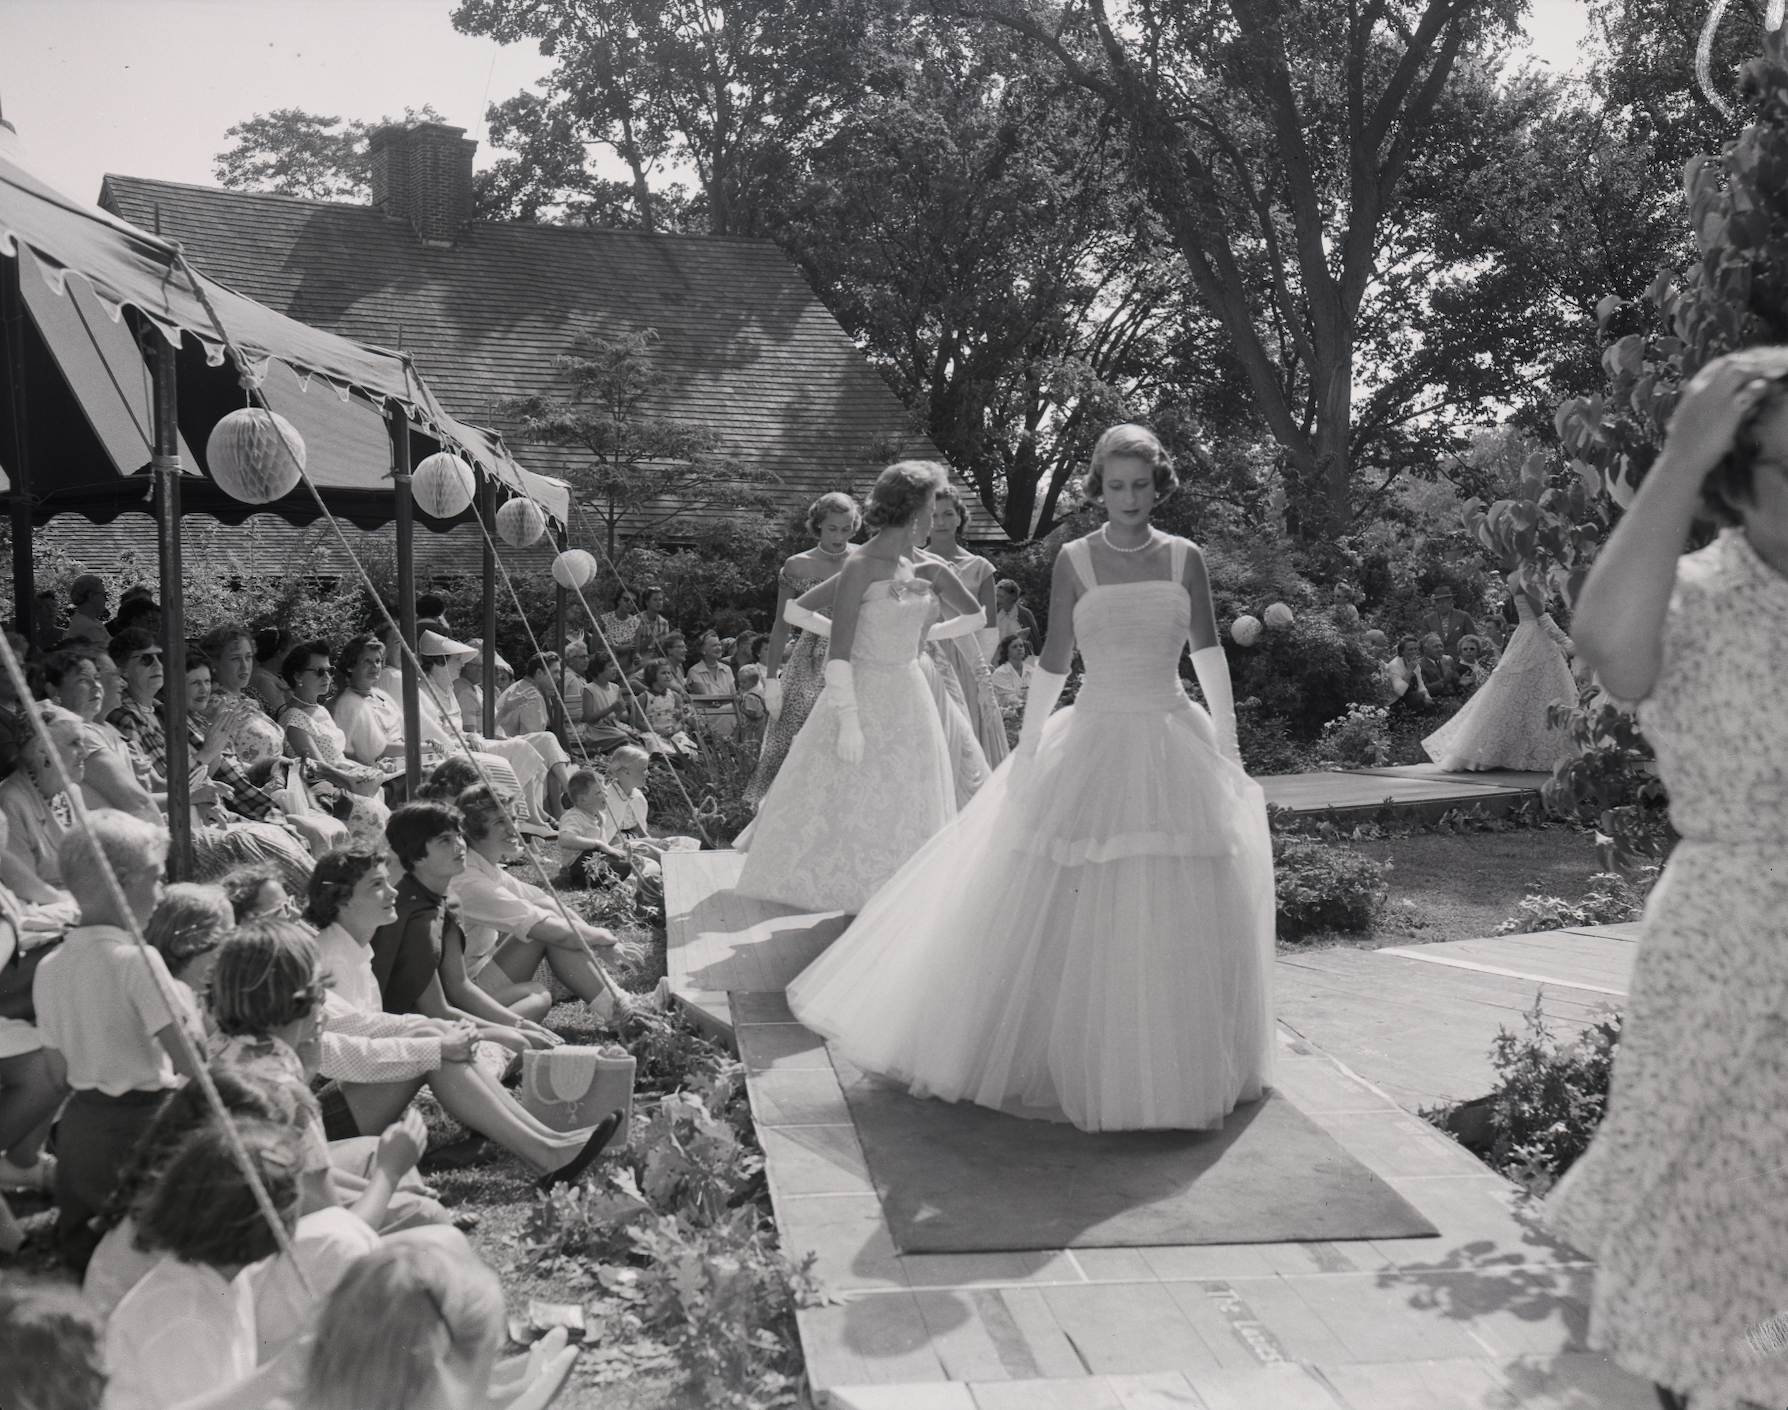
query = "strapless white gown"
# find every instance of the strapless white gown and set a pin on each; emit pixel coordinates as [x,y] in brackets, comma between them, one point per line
[829,834]
[1102,954]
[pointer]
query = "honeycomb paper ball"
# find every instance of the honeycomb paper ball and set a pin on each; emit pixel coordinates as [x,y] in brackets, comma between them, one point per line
[443,485]
[1245,630]
[573,568]
[1278,615]
[255,456]
[520,522]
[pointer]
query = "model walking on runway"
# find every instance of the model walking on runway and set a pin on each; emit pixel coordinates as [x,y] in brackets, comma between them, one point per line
[1092,939]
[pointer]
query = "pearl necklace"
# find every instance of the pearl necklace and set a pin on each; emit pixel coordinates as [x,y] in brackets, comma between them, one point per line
[1105,533]
[820,547]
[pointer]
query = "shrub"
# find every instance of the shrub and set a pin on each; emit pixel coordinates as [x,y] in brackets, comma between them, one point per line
[1549,1098]
[1319,886]
[1361,737]
[1305,674]
[1610,900]
[1267,747]
[1611,784]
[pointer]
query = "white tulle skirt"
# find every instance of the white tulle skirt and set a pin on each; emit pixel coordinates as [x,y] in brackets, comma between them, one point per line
[1099,951]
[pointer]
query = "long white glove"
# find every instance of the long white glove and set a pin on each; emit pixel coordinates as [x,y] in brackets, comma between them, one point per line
[841,683]
[989,637]
[1212,669]
[1040,695]
[773,697]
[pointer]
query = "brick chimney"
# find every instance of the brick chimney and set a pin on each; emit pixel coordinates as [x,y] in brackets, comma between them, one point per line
[423,174]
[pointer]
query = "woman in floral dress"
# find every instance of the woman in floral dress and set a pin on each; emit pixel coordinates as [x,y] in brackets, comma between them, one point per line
[1680,1198]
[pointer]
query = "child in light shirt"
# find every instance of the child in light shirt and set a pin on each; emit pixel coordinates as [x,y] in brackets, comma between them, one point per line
[584,831]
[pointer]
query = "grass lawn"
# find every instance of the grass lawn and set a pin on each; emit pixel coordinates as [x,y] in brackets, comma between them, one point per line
[1462,885]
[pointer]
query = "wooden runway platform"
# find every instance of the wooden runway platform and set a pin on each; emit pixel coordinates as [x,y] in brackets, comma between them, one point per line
[1490,1316]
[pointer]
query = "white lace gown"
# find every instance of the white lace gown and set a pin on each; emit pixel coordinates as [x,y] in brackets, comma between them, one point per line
[1503,726]
[829,834]
[1100,950]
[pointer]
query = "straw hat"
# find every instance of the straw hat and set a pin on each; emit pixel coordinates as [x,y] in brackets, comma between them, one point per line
[434,644]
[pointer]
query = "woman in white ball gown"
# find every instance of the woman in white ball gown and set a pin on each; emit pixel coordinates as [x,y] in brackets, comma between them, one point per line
[867,780]
[1503,725]
[1092,939]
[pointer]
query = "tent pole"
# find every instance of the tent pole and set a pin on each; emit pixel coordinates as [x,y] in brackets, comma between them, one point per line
[488,512]
[173,608]
[399,421]
[559,721]
[18,466]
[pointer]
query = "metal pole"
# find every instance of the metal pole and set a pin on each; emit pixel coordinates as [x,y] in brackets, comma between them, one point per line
[24,577]
[399,421]
[560,597]
[166,464]
[488,512]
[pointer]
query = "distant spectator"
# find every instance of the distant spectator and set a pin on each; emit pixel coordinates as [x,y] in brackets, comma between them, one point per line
[665,712]
[87,595]
[572,677]
[712,677]
[653,626]
[1405,675]
[264,682]
[607,709]
[621,626]
[1011,616]
[754,710]
[432,607]
[31,867]
[585,833]
[1447,621]
[675,648]
[137,611]
[1440,673]
[1477,659]
[1013,673]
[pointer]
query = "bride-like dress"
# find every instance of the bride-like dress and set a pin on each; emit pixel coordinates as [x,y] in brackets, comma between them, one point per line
[1097,948]
[1503,726]
[829,834]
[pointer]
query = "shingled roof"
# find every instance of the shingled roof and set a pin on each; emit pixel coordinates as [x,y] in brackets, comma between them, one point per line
[745,347]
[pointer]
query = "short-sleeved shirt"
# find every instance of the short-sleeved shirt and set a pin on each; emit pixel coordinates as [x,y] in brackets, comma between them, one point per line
[36,828]
[575,822]
[327,1243]
[522,709]
[626,811]
[99,1005]
[179,1333]
[493,905]
[407,953]
[370,723]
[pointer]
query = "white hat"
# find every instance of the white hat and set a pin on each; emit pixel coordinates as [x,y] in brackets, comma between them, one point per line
[434,644]
[477,645]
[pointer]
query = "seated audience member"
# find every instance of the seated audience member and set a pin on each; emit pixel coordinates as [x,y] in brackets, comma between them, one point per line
[431,607]
[31,867]
[187,1330]
[743,652]
[754,710]
[1011,616]
[348,788]
[255,892]
[606,718]
[1013,672]
[674,652]
[108,1016]
[190,921]
[529,765]
[49,1347]
[371,721]
[85,681]
[380,1061]
[1448,622]
[267,995]
[120,1261]
[653,626]
[1477,659]
[419,958]
[625,811]
[448,779]
[584,833]
[510,926]
[1439,673]
[1405,675]
[712,679]
[271,645]
[87,622]
[665,713]
[572,677]
[137,609]
[620,628]
[526,706]
[249,730]
[418,1327]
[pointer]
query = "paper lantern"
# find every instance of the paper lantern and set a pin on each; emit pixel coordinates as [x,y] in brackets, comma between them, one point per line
[573,568]
[520,522]
[1278,615]
[255,456]
[443,486]
[1245,630]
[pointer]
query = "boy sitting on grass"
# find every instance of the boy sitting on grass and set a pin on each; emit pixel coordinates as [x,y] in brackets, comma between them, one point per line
[584,833]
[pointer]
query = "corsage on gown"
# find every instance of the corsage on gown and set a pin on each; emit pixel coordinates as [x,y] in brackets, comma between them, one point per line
[1098,949]
[829,834]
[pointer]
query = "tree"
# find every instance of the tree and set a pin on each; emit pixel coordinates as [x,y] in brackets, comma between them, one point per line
[641,473]
[734,90]
[295,153]
[1273,143]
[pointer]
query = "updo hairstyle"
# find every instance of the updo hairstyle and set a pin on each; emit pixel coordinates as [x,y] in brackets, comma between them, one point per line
[901,490]
[837,502]
[954,495]
[1139,443]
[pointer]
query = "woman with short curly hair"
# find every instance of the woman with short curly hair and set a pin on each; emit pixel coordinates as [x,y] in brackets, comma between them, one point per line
[827,836]
[789,691]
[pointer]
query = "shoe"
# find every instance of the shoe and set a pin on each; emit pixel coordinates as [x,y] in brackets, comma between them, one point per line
[600,1137]
[40,1176]
[467,1150]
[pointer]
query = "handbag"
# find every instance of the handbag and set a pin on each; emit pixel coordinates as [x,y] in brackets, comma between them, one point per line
[571,1088]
